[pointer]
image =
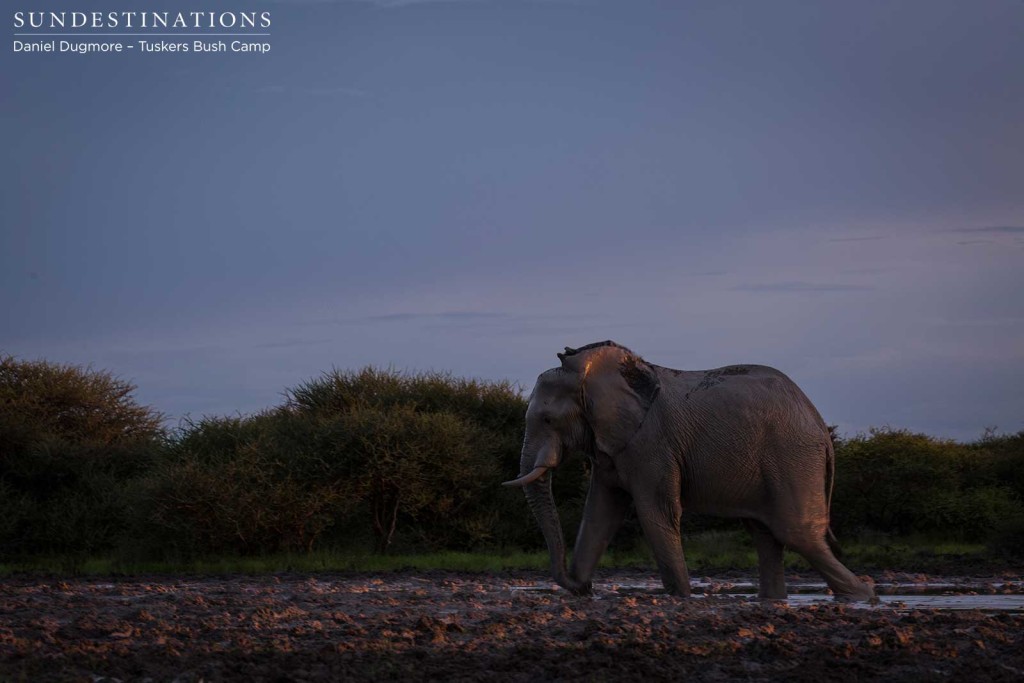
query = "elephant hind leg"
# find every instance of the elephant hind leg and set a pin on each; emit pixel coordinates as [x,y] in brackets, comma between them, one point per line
[769,561]
[814,548]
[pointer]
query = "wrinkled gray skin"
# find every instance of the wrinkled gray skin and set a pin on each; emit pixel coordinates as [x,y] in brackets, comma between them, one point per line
[740,441]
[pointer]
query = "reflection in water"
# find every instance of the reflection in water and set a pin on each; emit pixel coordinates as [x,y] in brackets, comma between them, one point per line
[952,594]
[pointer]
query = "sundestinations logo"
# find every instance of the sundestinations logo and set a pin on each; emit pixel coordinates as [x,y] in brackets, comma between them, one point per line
[78,32]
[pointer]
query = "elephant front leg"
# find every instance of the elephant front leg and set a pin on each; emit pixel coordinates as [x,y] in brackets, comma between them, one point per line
[661,526]
[602,516]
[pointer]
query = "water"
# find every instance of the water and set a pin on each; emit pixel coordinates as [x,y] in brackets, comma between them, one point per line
[946,594]
[941,593]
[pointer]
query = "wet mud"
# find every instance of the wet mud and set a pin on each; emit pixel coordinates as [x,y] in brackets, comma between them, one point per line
[510,627]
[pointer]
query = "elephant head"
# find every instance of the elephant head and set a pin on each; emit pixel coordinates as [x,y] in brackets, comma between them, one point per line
[594,402]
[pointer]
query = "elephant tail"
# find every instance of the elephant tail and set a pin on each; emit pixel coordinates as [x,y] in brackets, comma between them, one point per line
[833,544]
[830,480]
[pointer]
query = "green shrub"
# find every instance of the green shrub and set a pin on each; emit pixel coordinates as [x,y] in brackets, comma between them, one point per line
[887,480]
[495,406]
[901,483]
[240,485]
[423,466]
[397,461]
[1006,538]
[71,441]
[375,455]
[1003,457]
[970,513]
[495,516]
[76,405]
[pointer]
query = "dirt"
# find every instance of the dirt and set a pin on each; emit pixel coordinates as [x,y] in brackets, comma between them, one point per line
[510,627]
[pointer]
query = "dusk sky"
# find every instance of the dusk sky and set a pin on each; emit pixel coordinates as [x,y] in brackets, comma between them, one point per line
[835,189]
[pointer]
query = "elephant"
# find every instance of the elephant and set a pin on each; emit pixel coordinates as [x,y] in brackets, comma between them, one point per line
[739,441]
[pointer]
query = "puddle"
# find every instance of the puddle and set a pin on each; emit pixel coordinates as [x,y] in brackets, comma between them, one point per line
[910,593]
[987,603]
[940,595]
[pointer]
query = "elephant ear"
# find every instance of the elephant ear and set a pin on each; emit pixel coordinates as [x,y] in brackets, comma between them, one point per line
[618,389]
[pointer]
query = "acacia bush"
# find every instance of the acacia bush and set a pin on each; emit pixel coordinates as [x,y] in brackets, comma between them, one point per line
[898,482]
[350,458]
[426,467]
[1005,453]
[247,485]
[470,509]
[71,439]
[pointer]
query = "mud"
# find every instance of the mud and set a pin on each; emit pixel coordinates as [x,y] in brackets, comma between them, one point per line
[514,627]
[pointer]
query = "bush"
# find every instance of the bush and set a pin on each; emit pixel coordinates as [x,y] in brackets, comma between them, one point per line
[496,406]
[71,440]
[350,456]
[391,460]
[65,402]
[426,467]
[968,514]
[495,516]
[902,483]
[1003,456]
[240,485]
[1006,538]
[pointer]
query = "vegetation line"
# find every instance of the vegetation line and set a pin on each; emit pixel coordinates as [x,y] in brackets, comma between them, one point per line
[710,552]
[376,470]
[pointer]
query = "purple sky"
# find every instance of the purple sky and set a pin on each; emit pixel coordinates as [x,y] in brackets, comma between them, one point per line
[835,189]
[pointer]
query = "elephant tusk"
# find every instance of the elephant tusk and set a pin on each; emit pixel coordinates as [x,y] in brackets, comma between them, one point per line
[529,478]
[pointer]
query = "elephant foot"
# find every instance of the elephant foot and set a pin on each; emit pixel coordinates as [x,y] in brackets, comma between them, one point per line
[580,588]
[870,598]
[772,595]
[866,591]
[585,589]
[864,594]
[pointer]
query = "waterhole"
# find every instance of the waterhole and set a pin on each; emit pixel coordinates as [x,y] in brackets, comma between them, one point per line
[950,593]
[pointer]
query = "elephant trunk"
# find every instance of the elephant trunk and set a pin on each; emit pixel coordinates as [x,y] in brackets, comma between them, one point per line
[537,477]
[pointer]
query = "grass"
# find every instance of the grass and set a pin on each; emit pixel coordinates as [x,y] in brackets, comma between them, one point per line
[922,555]
[323,561]
[708,552]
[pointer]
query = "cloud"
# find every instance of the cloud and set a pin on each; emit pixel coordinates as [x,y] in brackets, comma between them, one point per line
[546,330]
[315,91]
[991,234]
[291,343]
[870,238]
[705,273]
[801,287]
[407,316]
[446,315]
[996,229]
[350,92]
[865,271]
[997,322]
[485,322]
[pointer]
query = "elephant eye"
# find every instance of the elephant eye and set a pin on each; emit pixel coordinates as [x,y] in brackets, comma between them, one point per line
[547,420]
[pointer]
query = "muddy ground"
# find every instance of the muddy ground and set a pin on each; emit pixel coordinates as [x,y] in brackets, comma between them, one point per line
[511,627]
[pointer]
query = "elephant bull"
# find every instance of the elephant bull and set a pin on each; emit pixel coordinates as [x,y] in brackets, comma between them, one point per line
[740,441]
